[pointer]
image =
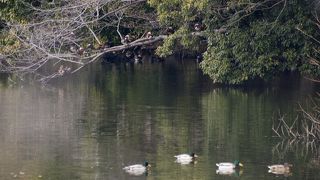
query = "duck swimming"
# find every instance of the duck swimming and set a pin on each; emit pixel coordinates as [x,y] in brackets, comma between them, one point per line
[230,172]
[229,166]
[137,169]
[186,158]
[280,169]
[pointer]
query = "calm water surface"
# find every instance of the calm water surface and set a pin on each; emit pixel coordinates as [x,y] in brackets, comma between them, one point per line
[91,125]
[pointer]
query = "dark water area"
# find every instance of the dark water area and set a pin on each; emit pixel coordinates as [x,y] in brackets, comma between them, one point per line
[92,124]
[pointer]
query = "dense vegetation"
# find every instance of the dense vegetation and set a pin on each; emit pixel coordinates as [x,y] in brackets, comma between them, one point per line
[245,39]
[259,39]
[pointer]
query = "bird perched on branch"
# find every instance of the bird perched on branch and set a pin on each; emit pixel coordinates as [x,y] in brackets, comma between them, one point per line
[149,35]
[73,49]
[169,30]
[81,51]
[126,39]
[198,27]
[62,70]
[89,46]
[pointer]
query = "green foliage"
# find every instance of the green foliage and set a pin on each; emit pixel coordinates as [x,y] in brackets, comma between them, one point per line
[11,10]
[179,14]
[8,42]
[169,44]
[14,10]
[261,45]
[174,12]
[261,40]
[167,47]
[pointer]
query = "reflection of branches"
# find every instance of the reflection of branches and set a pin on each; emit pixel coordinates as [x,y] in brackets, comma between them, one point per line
[302,136]
[309,151]
[300,147]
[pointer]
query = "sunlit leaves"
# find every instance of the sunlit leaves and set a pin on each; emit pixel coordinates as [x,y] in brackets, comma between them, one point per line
[181,15]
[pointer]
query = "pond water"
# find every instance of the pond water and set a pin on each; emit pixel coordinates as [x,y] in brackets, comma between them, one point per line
[91,125]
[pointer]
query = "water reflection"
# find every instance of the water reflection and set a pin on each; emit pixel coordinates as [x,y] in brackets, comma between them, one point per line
[38,132]
[93,125]
[230,172]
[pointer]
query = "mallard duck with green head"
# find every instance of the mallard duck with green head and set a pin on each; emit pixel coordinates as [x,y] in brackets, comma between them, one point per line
[137,169]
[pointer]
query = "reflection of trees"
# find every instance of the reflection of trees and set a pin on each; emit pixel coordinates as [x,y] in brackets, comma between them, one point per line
[236,120]
[238,123]
[239,120]
[111,117]
[155,110]
[147,110]
[39,132]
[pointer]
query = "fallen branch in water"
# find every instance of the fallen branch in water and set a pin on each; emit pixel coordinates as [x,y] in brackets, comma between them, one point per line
[139,42]
[64,36]
[98,54]
[305,127]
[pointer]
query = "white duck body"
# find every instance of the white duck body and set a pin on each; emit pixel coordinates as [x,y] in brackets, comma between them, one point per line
[136,169]
[186,157]
[225,171]
[225,166]
[229,165]
[184,161]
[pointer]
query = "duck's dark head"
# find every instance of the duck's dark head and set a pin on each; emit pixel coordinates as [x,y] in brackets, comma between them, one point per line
[237,163]
[146,164]
[193,155]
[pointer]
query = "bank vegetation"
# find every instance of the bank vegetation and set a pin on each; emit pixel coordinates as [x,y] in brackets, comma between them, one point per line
[244,39]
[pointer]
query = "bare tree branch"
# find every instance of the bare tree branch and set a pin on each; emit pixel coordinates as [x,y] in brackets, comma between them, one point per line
[68,32]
